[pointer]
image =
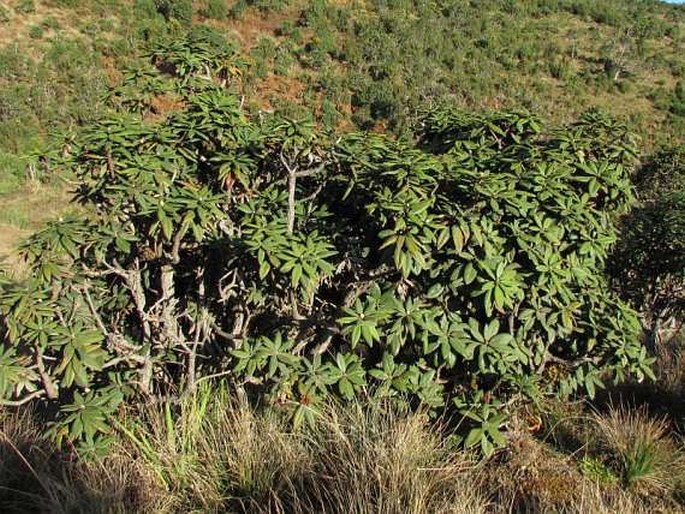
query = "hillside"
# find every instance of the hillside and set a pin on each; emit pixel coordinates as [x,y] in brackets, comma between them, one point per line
[374,65]
[374,61]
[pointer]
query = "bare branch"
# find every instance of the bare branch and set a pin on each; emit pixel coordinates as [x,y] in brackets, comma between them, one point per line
[138,359]
[48,385]
[313,195]
[23,401]
[311,171]
[175,258]
[134,283]
[222,333]
[215,375]
[286,163]
[91,306]
[292,182]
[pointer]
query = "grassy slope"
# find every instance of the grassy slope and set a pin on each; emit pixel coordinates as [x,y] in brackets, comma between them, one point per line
[382,64]
[54,71]
[374,62]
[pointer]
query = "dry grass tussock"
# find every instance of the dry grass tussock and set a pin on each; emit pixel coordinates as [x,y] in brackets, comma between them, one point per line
[216,453]
[530,476]
[372,460]
[35,477]
[640,448]
[225,456]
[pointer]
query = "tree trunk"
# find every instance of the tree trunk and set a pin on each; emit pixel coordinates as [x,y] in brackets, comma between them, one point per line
[169,328]
[654,336]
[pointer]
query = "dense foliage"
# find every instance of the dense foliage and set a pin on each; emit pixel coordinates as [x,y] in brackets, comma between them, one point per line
[463,268]
[389,60]
[648,264]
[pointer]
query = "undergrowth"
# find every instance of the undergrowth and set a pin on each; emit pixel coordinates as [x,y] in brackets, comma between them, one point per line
[215,452]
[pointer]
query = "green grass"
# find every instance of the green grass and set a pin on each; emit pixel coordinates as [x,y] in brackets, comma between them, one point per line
[640,448]
[17,217]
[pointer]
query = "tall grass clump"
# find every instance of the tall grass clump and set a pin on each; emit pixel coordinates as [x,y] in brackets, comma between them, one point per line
[215,452]
[640,448]
[369,458]
[35,476]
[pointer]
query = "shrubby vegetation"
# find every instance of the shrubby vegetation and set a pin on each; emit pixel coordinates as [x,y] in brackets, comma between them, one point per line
[648,264]
[393,59]
[462,270]
[378,66]
[233,235]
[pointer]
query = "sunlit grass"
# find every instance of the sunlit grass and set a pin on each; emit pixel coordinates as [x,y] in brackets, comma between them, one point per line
[213,452]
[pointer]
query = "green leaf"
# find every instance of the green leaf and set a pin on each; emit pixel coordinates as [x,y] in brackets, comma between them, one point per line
[435,291]
[470,273]
[167,226]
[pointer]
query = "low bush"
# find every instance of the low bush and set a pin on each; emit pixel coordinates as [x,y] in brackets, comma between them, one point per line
[25,6]
[179,10]
[4,14]
[465,271]
[648,263]
[216,9]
